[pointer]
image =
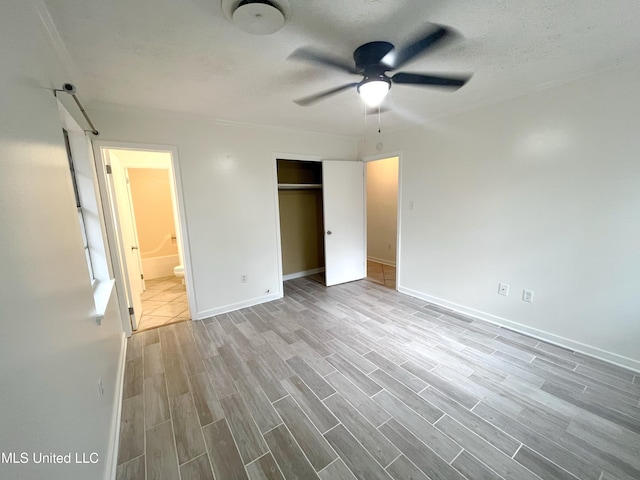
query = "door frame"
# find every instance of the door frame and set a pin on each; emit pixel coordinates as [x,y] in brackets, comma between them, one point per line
[108,206]
[373,158]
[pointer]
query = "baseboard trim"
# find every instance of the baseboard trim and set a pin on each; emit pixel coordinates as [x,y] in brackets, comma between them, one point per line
[380,260]
[305,273]
[545,336]
[115,426]
[237,306]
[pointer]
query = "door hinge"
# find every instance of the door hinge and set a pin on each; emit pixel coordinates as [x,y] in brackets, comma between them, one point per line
[108,168]
[130,310]
[141,277]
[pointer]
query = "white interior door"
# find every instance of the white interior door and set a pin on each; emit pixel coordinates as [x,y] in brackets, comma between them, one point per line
[132,233]
[128,238]
[343,200]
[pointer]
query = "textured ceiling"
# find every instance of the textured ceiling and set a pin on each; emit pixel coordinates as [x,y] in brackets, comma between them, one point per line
[186,56]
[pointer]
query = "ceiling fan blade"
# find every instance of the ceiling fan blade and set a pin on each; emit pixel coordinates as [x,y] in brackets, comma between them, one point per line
[454,82]
[303,102]
[307,55]
[398,57]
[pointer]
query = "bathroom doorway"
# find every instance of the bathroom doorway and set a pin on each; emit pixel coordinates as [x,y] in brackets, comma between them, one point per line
[145,208]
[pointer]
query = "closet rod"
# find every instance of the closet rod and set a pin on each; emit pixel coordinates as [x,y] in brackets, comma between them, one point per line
[299,186]
[71,90]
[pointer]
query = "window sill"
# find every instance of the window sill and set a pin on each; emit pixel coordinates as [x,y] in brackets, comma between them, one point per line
[102,290]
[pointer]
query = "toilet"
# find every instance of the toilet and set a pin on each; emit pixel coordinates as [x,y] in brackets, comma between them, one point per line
[178,271]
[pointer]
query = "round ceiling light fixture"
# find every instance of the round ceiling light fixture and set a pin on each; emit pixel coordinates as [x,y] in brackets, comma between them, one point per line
[258,17]
[373,89]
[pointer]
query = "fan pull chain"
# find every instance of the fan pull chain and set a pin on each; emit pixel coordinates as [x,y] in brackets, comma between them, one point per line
[379,118]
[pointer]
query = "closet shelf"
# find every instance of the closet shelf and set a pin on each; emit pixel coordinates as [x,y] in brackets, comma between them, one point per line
[299,186]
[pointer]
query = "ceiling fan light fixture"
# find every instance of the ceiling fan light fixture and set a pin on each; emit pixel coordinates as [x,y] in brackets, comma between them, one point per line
[374,90]
[258,17]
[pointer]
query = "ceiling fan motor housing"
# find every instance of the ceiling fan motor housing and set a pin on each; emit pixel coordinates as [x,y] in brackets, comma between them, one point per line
[377,77]
[371,54]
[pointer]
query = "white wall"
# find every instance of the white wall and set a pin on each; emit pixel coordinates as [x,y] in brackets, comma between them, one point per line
[541,192]
[228,177]
[382,210]
[52,353]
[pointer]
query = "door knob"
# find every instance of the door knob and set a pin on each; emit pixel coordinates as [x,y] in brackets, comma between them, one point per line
[329,232]
[134,248]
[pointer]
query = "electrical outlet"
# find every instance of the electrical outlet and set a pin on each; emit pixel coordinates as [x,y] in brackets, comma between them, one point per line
[527,295]
[503,289]
[100,388]
[243,278]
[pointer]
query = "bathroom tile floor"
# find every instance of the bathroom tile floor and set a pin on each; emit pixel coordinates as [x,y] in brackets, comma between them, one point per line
[382,274]
[163,302]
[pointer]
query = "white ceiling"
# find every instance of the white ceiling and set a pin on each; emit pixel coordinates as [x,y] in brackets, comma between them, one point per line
[186,56]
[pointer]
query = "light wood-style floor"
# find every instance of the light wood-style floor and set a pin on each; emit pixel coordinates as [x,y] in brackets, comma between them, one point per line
[360,381]
[163,302]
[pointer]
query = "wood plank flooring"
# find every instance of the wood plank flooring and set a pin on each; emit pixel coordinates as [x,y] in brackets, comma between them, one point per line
[358,381]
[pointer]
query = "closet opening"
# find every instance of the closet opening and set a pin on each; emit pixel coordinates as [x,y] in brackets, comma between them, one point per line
[300,199]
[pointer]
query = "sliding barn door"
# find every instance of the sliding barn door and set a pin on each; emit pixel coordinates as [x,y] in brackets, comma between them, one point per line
[343,199]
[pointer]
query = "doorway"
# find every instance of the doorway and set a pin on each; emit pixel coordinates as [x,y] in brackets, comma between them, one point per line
[143,199]
[382,182]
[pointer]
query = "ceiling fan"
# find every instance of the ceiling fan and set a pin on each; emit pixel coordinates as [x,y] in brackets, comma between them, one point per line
[374,59]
